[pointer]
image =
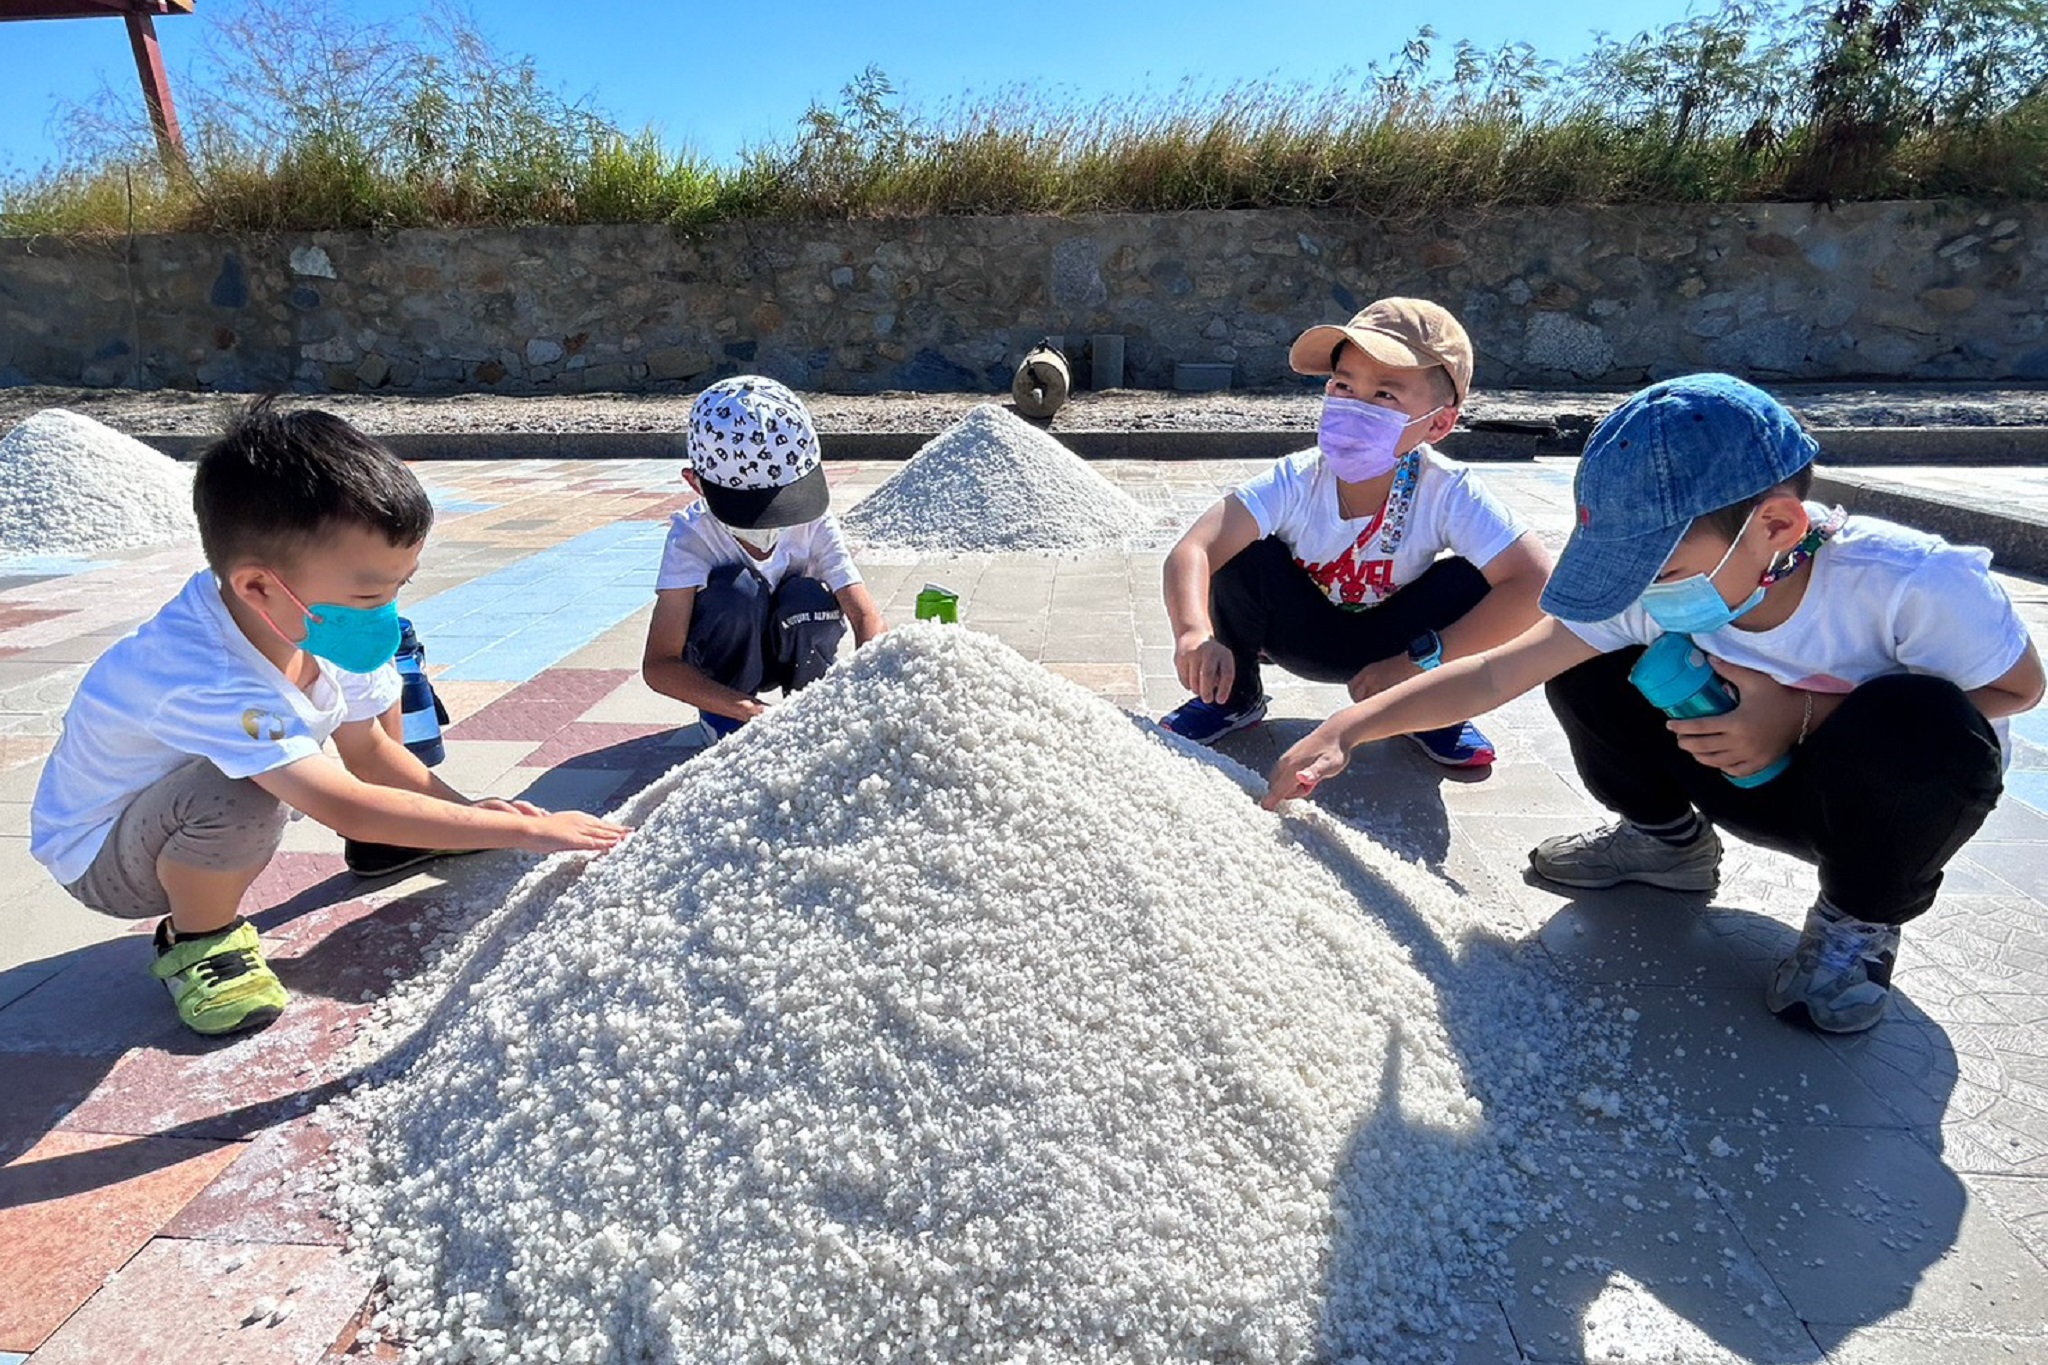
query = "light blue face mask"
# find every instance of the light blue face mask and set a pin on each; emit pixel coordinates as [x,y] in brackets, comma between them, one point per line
[353,639]
[1693,605]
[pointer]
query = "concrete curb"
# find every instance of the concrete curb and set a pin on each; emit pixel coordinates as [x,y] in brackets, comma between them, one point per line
[2018,541]
[1486,441]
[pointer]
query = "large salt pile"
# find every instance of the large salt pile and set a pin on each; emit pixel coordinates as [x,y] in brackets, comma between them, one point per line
[949,1013]
[69,485]
[992,481]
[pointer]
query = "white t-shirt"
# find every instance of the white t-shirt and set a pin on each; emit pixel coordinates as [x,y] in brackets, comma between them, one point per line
[1358,561]
[1883,599]
[186,684]
[698,543]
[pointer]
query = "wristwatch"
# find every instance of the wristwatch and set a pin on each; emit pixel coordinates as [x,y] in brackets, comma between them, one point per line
[1426,651]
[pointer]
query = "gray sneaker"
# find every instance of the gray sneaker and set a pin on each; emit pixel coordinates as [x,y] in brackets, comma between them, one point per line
[1841,972]
[1621,853]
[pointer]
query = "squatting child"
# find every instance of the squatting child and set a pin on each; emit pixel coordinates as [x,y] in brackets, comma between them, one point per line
[1366,560]
[757,588]
[166,794]
[1876,663]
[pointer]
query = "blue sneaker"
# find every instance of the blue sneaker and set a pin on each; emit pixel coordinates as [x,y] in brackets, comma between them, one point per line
[1205,722]
[717,727]
[1456,746]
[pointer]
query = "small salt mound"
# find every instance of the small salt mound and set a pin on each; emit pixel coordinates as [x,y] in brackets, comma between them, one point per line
[69,485]
[992,481]
[948,1013]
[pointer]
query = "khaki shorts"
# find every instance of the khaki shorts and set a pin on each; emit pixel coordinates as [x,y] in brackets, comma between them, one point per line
[195,816]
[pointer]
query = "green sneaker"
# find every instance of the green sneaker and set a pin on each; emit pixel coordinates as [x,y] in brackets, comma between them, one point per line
[220,982]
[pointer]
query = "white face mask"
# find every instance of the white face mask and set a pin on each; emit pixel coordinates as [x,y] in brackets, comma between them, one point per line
[761,538]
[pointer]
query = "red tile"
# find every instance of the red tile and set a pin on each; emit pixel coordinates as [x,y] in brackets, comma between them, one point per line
[272,1193]
[75,1207]
[42,1087]
[535,710]
[587,685]
[181,1301]
[12,616]
[602,744]
[512,717]
[296,882]
[357,947]
[228,1087]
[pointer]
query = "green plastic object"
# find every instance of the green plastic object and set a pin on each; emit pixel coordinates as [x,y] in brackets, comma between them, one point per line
[1675,677]
[938,604]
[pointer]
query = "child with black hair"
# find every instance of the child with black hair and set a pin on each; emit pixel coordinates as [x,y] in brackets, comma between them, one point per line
[1876,663]
[165,795]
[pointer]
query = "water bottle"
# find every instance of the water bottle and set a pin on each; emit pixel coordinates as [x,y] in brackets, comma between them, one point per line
[1676,678]
[419,708]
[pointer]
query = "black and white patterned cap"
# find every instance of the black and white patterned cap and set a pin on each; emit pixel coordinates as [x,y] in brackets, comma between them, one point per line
[756,454]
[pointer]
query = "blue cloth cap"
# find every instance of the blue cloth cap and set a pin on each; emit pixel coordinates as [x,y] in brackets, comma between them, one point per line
[1673,452]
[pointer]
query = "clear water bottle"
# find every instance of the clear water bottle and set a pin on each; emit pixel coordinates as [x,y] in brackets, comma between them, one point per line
[419,708]
[1676,678]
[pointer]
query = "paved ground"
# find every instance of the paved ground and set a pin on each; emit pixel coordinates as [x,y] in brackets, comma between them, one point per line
[1881,1198]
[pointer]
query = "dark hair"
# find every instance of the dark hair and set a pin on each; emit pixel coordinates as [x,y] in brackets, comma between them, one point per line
[1727,522]
[1439,377]
[281,479]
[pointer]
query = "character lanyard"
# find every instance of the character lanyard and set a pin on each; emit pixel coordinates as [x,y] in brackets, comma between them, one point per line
[1817,535]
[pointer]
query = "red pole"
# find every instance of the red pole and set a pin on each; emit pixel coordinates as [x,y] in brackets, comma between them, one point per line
[156,90]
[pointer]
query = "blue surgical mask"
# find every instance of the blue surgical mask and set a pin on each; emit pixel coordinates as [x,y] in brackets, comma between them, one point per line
[353,639]
[1362,440]
[1693,605]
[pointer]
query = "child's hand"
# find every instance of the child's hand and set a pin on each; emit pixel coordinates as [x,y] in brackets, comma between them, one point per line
[513,807]
[1205,667]
[1760,730]
[571,831]
[1319,755]
[1374,679]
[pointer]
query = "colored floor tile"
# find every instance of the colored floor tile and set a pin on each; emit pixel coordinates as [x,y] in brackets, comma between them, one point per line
[76,1206]
[272,1193]
[515,622]
[195,1301]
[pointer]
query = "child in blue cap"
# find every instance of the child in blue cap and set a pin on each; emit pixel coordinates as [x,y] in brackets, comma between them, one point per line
[1877,663]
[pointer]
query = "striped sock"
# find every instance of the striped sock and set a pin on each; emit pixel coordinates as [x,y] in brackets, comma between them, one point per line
[1677,833]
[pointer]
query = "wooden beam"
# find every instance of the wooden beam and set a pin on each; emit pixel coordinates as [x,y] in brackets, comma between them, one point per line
[90,9]
[156,92]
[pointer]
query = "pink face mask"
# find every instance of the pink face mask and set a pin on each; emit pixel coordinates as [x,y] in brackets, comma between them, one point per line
[1361,440]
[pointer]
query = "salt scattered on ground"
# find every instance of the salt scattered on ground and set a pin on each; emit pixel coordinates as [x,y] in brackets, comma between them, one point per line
[949,1013]
[992,481]
[71,486]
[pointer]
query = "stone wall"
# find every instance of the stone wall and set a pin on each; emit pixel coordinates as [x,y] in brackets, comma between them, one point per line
[1600,295]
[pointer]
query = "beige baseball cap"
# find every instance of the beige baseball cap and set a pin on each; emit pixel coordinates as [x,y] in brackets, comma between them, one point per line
[1407,334]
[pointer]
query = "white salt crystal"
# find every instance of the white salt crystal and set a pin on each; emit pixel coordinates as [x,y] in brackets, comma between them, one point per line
[992,481]
[1049,1044]
[70,486]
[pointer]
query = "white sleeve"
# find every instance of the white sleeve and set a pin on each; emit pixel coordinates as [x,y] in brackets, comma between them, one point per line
[241,732]
[1632,627]
[1476,525]
[1952,620]
[367,695]
[830,561]
[1274,498]
[685,560]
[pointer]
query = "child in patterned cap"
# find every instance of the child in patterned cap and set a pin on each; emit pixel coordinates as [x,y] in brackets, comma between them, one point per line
[757,588]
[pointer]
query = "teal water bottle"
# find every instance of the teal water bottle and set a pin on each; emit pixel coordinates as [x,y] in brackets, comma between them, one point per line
[418,708]
[1675,677]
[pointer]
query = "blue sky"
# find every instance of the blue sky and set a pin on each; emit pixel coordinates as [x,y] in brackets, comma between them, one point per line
[717,77]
